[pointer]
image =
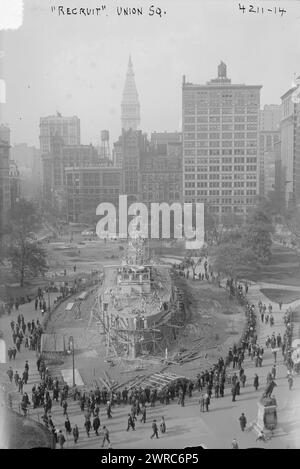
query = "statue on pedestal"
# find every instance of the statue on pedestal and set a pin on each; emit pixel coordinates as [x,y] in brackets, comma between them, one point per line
[267,411]
[269,389]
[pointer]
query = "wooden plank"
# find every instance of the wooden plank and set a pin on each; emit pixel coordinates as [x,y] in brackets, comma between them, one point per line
[156,381]
[159,380]
[127,382]
[109,379]
[103,382]
[161,376]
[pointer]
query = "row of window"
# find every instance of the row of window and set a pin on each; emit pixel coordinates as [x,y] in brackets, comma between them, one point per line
[216,152]
[218,169]
[228,185]
[227,177]
[190,126]
[217,200]
[236,159]
[215,144]
[217,109]
[217,135]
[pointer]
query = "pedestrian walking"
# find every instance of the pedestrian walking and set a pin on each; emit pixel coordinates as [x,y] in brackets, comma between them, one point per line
[243,421]
[202,403]
[207,402]
[143,411]
[96,425]
[68,426]
[233,393]
[20,384]
[87,425]
[75,433]
[108,410]
[256,382]
[64,406]
[273,371]
[162,425]
[10,374]
[105,436]
[61,439]
[130,422]
[155,430]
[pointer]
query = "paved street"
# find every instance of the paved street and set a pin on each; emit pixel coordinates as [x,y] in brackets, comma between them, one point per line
[186,426]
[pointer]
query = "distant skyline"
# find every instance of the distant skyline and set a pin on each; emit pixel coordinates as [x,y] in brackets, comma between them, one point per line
[77,65]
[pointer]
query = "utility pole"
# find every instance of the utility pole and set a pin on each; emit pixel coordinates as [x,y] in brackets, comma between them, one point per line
[71,347]
[49,297]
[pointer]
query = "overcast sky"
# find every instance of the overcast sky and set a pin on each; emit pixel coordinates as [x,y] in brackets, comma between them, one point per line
[77,65]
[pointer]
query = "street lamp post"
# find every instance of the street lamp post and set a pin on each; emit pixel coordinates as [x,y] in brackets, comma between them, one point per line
[49,297]
[71,347]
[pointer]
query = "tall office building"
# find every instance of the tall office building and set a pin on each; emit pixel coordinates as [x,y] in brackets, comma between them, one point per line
[88,186]
[220,143]
[161,138]
[29,164]
[14,183]
[269,135]
[68,128]
[5,201]
[269,117]
[5,133]
[290,147]
[130,108]
[134,146]
[267,140]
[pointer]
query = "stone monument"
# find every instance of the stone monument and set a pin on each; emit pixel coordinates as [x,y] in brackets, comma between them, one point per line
[267,415]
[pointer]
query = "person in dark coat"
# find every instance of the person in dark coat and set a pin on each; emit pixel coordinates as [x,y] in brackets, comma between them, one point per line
[75,433]
[108,410]
[131,423]
[233,392]
[10,374]
[162,425]
[155,430]
[68,426]
[87,425]
[65,406]
[256,382]
[207,401]
[105,436]
[143,411]
[25,376]
[61,439]
[20,384]
[243,422]
[96,425]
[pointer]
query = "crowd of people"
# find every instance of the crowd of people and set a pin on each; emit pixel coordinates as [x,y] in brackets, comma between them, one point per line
[227,371]
[24,334]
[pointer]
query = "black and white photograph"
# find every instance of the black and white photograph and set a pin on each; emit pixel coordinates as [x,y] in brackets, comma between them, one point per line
[149,227]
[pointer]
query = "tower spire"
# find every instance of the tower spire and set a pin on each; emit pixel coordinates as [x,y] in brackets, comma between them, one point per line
[130,108]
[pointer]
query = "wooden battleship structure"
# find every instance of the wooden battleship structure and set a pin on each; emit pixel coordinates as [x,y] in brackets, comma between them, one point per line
[137,308]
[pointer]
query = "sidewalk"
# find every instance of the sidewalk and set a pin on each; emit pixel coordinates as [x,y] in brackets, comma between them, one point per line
[186,426]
